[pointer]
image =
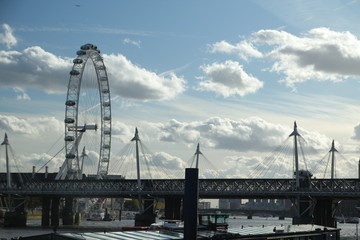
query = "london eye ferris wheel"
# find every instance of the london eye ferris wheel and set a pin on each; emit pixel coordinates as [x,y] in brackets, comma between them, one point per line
[87,116]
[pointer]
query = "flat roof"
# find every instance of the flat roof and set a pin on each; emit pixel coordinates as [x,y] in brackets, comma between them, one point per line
[288,230]
[262,232]
[127,235]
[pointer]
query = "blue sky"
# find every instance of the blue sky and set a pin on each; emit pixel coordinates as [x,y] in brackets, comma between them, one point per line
[230,75]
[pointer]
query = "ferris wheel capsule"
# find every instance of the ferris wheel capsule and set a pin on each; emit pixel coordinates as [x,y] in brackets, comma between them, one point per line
[81,52]
[78,61]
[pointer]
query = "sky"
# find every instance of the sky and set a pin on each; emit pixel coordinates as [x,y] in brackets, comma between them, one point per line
[230,75]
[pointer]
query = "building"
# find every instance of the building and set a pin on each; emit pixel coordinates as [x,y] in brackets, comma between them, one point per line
[224,204]
[204,205]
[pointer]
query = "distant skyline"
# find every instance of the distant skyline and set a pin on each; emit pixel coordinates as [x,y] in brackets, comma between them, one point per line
[232,76]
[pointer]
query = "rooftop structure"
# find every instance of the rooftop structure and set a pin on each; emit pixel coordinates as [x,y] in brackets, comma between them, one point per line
[290,232]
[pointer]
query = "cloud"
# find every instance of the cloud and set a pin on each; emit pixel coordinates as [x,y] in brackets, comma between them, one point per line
[131,81]
[132,42]
[121,131]
[253,136]
[321,54]
[30,127]
[228,79]
[249,167]
[7,38]
[243,49]
[356,132]
[156,165]
[167,161]
[21,94]
[24,163]
[36,68]
[246,135]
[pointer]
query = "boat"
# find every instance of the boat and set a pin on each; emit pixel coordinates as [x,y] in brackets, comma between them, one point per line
[96,216]
[173,225]
[213,221]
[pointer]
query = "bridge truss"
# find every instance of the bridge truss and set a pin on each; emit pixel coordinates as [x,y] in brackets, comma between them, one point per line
[208,188]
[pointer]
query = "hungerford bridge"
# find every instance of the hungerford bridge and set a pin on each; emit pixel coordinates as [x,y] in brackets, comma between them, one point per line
[314,199]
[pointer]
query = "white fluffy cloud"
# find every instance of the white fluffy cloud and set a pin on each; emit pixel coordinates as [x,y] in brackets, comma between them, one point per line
[251,134]
[168,161]
[36,68]
[247,135]
[243,49]
[256,167]
[321,54]
[156,165]
[121,131]
[131,81]
[228,79]
[7,38]
[31,127]
[356,132]
[25,163]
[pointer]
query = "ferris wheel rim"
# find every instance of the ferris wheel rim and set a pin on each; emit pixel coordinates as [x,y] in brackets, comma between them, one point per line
[73,131]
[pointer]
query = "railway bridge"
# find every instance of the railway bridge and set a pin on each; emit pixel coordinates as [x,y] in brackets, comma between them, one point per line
[315,199]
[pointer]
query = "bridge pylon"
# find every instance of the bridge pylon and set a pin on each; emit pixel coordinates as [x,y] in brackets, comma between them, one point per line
[146,214]
[15,214]
[312,210]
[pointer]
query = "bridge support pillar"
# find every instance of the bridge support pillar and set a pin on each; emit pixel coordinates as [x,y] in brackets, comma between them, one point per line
[148,217]
[148,206]
[304,207]
[16,218]
[324,213]
[304,204]
[144,220]
[68,214]
[177,208]
[173,208]
[45,212]
[55,211]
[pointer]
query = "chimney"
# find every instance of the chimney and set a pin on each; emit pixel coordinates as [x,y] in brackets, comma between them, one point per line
[46,171]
